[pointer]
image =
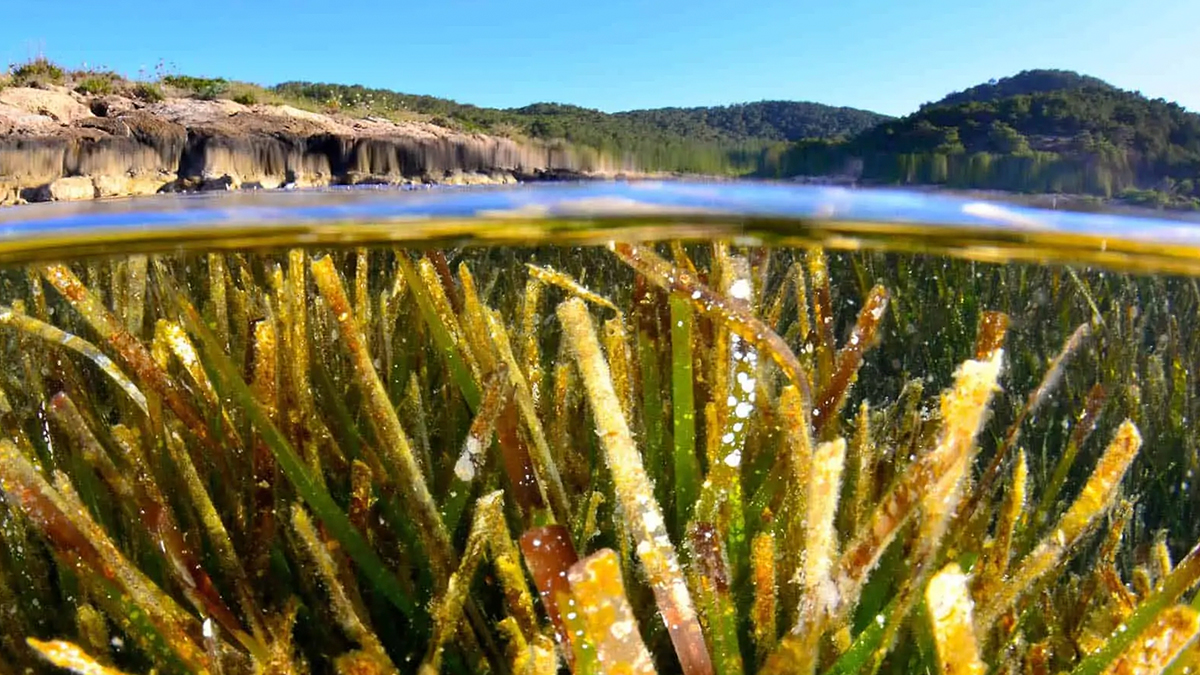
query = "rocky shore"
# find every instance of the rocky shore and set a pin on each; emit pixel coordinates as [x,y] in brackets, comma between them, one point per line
[56,144]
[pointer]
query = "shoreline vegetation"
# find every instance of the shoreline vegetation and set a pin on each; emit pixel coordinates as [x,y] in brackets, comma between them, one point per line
[1039,132]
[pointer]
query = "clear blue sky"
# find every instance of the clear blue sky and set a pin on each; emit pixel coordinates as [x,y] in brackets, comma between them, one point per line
[888,56]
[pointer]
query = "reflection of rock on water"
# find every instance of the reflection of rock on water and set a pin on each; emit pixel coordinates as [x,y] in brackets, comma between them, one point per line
[52,146]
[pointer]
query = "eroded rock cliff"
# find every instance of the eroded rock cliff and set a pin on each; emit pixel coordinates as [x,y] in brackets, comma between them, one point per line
[56,144]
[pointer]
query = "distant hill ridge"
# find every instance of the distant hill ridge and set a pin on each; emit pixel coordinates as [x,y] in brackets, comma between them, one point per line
[1037,131]
[772,120]
[1025,82]
[717,139]
[757,121]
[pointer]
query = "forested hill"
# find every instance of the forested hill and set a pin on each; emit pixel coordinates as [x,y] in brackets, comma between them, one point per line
[1085,136]
[764,120]
[1024,83]
[761,121]
[718,140]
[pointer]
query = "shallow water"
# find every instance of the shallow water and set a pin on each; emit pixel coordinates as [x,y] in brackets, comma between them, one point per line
[370,431]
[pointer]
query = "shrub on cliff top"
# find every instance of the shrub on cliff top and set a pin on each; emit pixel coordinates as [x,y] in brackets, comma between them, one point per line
[148,92]
[39,71]
[97,83]
[248,93]
[206,88]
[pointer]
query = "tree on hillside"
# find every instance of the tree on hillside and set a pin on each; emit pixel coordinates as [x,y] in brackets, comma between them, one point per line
[1006,140]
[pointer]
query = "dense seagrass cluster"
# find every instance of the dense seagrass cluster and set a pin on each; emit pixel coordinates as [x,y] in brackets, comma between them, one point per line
[698,458]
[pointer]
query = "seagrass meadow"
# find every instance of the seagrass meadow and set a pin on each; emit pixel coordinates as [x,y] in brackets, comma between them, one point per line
[706,456]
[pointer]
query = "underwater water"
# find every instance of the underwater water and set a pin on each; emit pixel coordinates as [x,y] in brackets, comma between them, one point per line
[609,428]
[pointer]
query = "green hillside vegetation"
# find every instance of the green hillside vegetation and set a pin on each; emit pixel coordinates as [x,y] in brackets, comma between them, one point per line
[1023,83]
[761,121]
[722,140]
[726,140]
[1024,134]
[773,120]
